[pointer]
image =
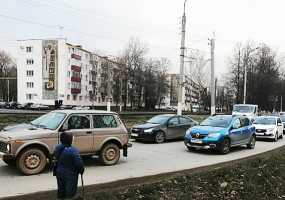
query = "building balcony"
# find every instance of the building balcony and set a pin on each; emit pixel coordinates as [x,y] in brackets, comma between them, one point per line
[75,56]
[75,68]
[75,79]
[75,90]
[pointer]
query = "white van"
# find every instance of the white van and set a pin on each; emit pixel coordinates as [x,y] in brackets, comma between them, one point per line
[248,110]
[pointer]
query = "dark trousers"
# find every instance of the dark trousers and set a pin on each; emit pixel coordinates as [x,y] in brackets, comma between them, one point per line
[66,186]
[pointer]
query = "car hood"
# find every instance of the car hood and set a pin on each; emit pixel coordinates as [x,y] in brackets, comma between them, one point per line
[146,126]
[14,127]
[205,130]
[24,131]
[263,126]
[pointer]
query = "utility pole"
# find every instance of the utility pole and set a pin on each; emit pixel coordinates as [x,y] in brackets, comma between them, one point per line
[181,78]
[213,105]
[108,86]
[8,89]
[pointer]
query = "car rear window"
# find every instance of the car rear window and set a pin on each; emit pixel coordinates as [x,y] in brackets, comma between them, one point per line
[104,121]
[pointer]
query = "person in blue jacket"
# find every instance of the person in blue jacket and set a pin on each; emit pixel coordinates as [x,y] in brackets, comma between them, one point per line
[69,166]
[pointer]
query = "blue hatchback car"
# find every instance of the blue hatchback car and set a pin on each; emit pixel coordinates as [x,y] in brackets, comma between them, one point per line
[221,132]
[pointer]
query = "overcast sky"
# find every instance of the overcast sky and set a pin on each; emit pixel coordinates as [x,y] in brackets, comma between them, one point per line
[107,25]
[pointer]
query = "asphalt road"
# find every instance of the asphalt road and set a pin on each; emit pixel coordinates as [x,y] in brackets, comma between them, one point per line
[144,159]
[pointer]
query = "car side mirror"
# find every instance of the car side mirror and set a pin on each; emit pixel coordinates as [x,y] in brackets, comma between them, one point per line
[279,124]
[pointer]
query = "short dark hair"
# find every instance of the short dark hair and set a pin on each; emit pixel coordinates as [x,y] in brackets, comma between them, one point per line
[66,139]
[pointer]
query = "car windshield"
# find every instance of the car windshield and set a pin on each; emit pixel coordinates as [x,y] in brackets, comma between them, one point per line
[243,109]
[217,121]
[160,119]
[265,121]
[49,121]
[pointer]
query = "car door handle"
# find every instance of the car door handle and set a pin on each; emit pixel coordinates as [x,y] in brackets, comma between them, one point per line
[88,132]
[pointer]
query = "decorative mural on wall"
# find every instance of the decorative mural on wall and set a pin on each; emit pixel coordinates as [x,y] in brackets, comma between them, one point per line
[50,69]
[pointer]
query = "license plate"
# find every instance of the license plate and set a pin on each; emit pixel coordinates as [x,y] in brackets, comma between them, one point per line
[197,141]
[134,134]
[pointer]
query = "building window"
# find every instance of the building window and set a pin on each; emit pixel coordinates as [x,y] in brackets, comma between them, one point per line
[69,86]
[30,73]
[68,97]
[68,74]
[30,85]
[28,49]
[29,96]
[86,88]
[30,61]
[99,99]
[80,98]
[74,97]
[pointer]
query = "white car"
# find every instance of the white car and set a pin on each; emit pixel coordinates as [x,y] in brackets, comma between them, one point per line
[38,106]
[268,127]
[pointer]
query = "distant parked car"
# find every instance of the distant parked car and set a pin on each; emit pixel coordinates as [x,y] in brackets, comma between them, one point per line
[169,108]
[221,132]
[81,108]
[282,113]
[65,107]
[3,104]
[24,106]
[162,127]
[38,106]
[269,127]
[12,105]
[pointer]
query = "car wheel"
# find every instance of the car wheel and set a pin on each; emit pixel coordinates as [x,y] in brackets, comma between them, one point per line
[159,137]
[31,161]
[281,136]
[225,146]
[191,148]
[10,162]
[252,142]
[110,154]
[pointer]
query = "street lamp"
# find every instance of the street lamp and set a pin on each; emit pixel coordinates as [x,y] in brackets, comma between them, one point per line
[245,74]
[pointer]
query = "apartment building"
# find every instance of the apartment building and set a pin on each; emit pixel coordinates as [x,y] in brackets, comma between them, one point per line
[53,70]
[190,92]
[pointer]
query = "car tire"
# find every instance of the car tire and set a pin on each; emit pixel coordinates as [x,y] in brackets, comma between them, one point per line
[31,161]
[225,146]
[159,137]
[10,162]
[281,136]
[191,148]
[109,154]
[252,142]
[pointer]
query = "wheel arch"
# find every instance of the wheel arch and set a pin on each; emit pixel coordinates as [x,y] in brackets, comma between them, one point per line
[112,140]
[37,145]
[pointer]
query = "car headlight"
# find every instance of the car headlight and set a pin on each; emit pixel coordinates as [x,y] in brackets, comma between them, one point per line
[8,147]
[214,135]
[270,129]
[148,130]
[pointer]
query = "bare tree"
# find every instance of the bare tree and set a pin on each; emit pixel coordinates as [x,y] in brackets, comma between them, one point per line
[133,58]
[7,68]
